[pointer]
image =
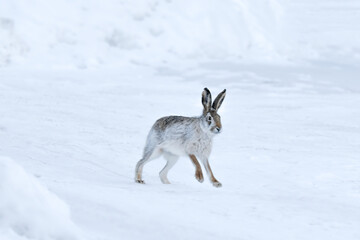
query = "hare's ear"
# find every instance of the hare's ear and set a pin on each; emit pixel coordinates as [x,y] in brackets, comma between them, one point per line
[218,100]
[206,100]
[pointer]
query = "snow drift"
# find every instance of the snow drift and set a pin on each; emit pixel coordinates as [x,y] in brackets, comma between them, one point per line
[82,34]
[28,210]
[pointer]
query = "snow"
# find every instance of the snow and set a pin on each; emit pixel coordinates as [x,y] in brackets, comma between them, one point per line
[92,33]
[28,210]
[287,157]
[82,82]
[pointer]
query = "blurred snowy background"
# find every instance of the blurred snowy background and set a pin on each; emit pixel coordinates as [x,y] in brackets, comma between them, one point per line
[81,83]
[88,34]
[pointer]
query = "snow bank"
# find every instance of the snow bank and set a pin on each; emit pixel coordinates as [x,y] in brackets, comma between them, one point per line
[28,210]
[91,33]
[88,33]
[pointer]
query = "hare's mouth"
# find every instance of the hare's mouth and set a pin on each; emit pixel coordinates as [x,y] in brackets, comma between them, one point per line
[216,130]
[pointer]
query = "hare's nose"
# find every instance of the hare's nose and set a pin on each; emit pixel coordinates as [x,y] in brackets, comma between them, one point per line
[218,129]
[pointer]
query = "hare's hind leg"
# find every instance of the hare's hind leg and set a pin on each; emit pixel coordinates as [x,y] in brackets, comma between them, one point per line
[149,154]
[198,173]
[171,160]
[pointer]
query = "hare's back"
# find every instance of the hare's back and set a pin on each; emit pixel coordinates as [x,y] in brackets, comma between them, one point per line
[173,123]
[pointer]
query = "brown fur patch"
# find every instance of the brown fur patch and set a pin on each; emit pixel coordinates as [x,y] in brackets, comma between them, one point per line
[198,172]
[165,122]
[216,118]
[212,178]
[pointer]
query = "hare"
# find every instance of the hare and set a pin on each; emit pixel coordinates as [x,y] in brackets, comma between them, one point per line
[175,136]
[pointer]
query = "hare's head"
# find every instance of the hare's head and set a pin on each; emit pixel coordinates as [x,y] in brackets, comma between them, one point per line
[211,120]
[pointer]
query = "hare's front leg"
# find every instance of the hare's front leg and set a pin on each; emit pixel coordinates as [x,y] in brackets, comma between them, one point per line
[210,174]
[198,173]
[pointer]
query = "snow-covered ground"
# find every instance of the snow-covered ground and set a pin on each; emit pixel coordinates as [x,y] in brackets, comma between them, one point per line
[76,106]
[288,156]
[28,210]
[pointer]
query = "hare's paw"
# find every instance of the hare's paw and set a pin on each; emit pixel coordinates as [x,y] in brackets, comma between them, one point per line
[165,181]
[217,184]
[140,181]
[199,176]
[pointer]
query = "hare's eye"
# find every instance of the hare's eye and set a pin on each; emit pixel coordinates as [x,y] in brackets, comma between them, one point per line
[209,118]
